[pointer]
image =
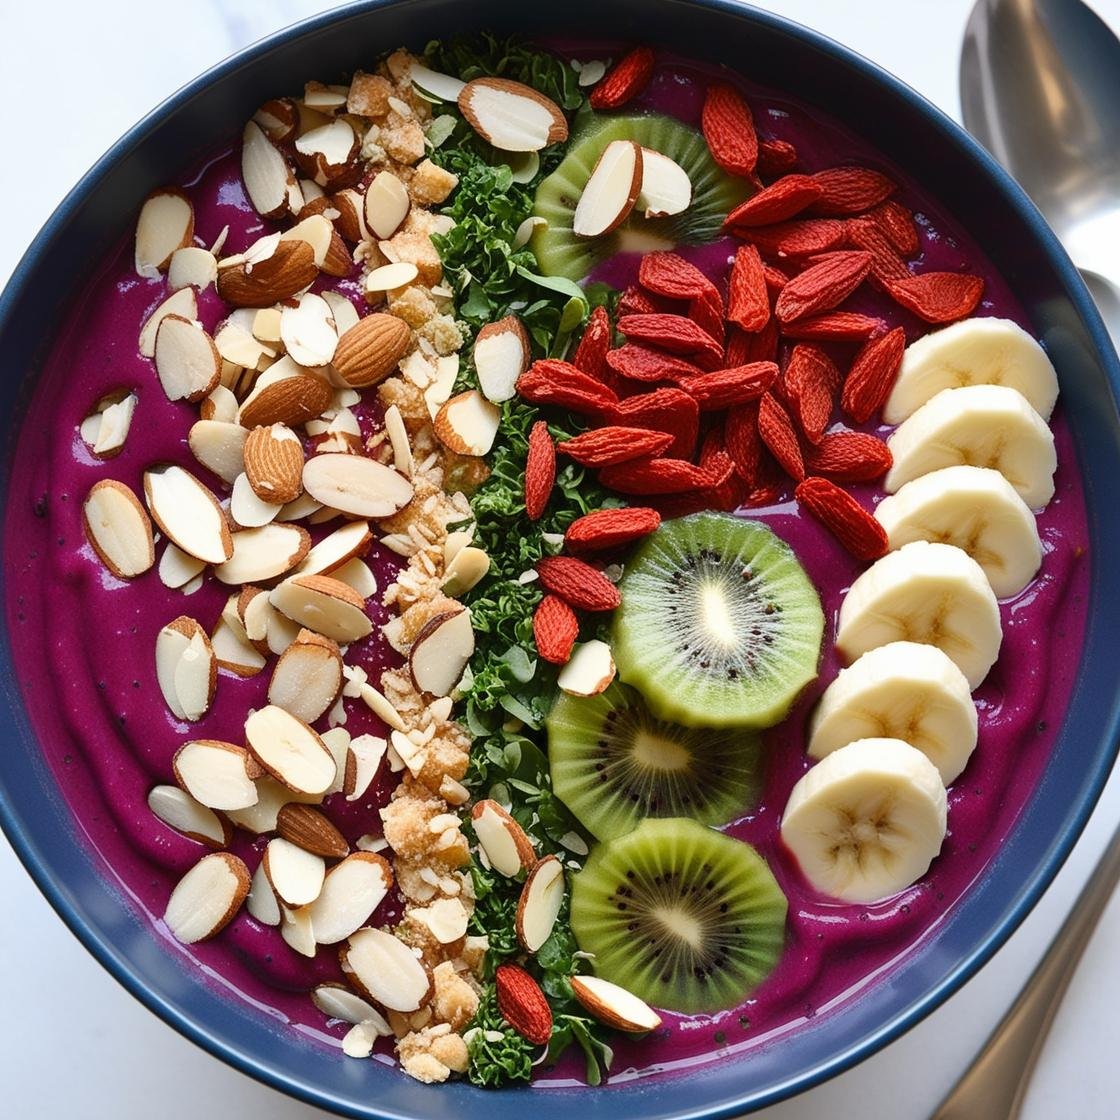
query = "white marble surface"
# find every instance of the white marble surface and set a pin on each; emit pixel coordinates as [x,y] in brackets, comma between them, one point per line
[73,1043]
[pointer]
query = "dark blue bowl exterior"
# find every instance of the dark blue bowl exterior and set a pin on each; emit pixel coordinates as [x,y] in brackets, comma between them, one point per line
[927,145]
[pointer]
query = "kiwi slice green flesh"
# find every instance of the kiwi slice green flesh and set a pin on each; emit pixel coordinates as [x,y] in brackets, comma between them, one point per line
[686,918]
[614,763]
[719,624]
[714,194]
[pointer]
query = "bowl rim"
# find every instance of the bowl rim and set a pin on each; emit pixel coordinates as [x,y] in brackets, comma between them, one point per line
[1044,872]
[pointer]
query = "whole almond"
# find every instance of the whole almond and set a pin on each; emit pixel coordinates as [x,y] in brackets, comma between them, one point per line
[274,463]
[291,400]
[288,270]
[371,349]
[306,827]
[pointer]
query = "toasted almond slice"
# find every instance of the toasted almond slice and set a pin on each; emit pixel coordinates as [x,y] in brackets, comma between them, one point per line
[589,670]
[193,267]
[351,221]
[356,573]
[288,269]
[353,889]
[307,330]
[337,549]
[611,191]
[186,668]
[386,205]
[166,223]
[295,875]
[501,355]
[666,187]
[274,463]
[263,554]
[292,399]
[324,605]
[295,929]
[390,277]
[441,651]
[271,798]
[465,570]
[219,445]
[327,153]
[364,756]
[278,119]
[261,900]
[338,1002]
[616,1007]
[289,750]
[206,899]
[187,361]
[356,485]
[265,171]
[234,651]
[306,827]
[388,969]
[182,303]
[371,349]
[316,231]
[188,513]
[540,902]
[508,849]
[178,810]
[118,529]
[221,405]
[511,116]
[246,509]
[308,677]
[237,344]
[177,568]
[468,423]
[216,774]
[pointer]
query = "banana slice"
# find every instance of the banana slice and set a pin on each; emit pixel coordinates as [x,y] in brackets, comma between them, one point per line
[867,821]
[924,592]
[903,690]
[976,509]
[979,426]
[973,352]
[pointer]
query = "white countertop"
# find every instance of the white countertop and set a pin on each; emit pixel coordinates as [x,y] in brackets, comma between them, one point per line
[72,1042]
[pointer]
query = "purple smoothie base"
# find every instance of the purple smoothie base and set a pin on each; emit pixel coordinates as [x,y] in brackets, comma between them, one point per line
[83,642]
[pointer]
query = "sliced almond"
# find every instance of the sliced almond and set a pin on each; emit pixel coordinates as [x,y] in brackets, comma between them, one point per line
[166,223]
[616,1007]
[254,611]
[441,86]
[441,651]
[294,874]
[221,404]
[316,231]
[219,446]
[274,463]
[107,426]
[182,303]
[439,391]
[289,399]
[356,485]
[266,324]
[446,918]
[324,605]
[263,554]
[303,506]
[511,116]
[278,119]
[465,570]
[246,509]
[118,529]
[233,650]
[390,277]
[353,889]
[192,267]
[344,313]
[388,969]
[329,154]
[282,631]
[268,178]
[308,828]
[337,549]
[351,222]
[589,670]
[386,205]
[501,355]
[289,750]
[178,810]
[186,668]
[271,798]
[307,330]
[338,1002]
[540,902]
[508,849]
[261,900]
[454,543]
[188,513]
[187,361]
[611,191]
[666,188]
[364,756]
[295,929]
[216,774]
[371,349]
[177,568]
[206,899]
[238,345]
[468,423]
[308,677]
[286,271]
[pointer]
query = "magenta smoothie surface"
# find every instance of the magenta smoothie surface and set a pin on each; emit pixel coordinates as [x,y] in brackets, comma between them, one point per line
[83,643]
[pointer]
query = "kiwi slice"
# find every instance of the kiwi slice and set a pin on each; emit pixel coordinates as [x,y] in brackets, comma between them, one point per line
[615,763]
[687,918]
[714,193]
[719,624]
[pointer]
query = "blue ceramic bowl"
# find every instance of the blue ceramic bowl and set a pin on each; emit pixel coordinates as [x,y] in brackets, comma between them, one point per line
[928,146]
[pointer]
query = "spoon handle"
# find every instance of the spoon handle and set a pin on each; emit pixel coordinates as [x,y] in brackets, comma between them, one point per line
[995,1085]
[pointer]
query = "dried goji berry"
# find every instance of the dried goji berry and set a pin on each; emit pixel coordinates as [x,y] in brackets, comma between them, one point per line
[844,517]
[591,353]
[555,629]
[624,81]
[849,457]
[776,431]
[744,347]
[723,388]
[783,199]
[728,128]
[810,380]
[634,301]
[671,276]
[742,442]
[822,286]
[850,190]
[800,238]
[776,279]
[775,157]
[577,582]
[938,297]
[706,311]
[614,444]
[898,224]
[676,334]
[550,381]
[886,264]
[644,363]
[609,528]
[654,476]
[669,410]
[872,374]
[748,303]
[540,470]
[834,326]
[522,1003]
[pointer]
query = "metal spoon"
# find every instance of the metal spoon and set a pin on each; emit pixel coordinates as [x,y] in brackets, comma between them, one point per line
[1040,88]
